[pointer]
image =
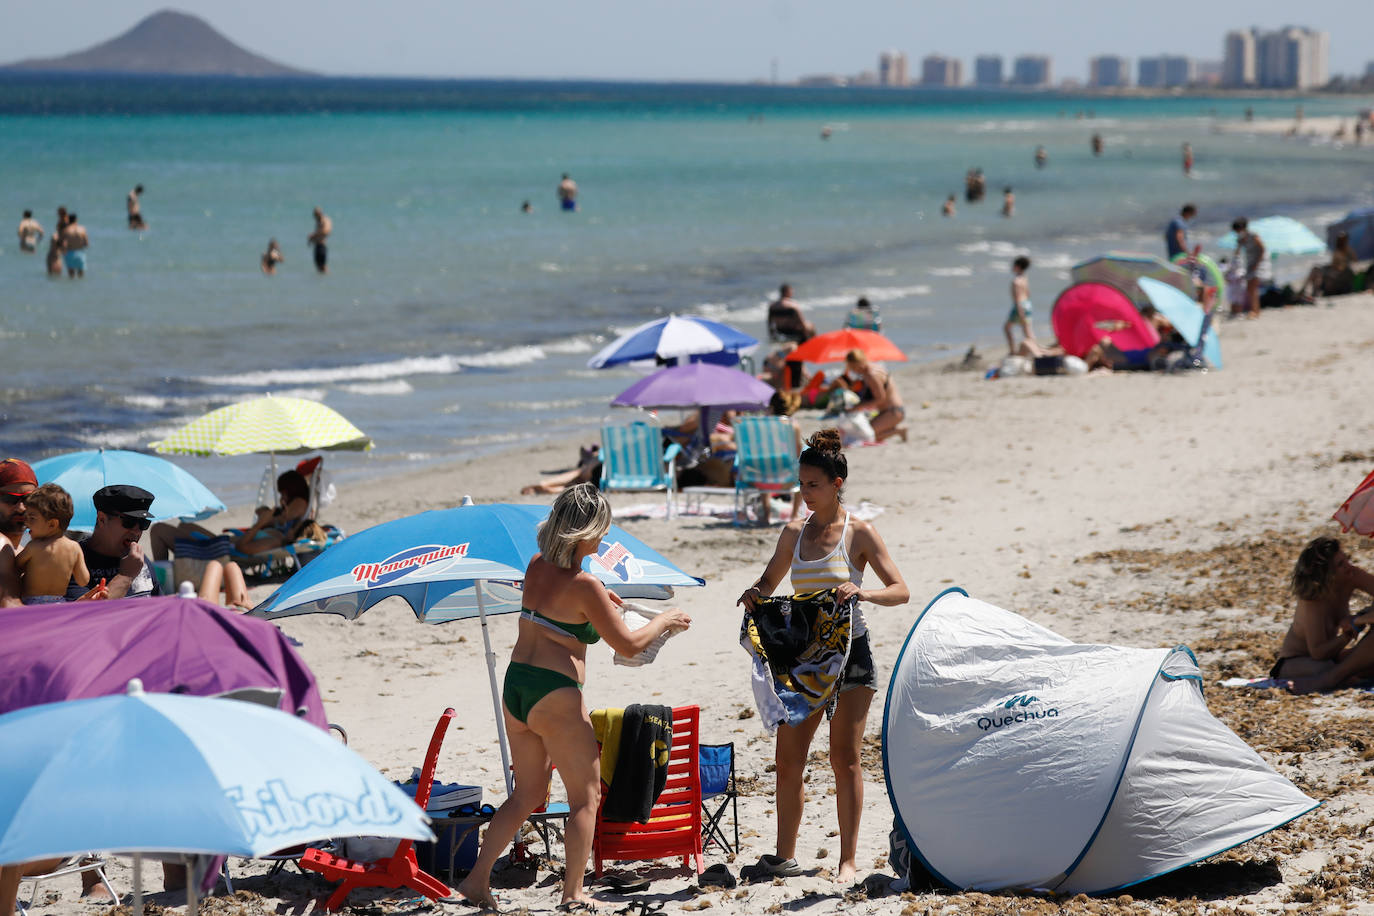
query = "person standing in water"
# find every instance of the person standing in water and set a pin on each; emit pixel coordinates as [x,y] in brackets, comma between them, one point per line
[1188,160]
[30,233]
[1008,203]
[1041,157]
[828,549]
[272,257]
[1097,144]
[323,227]
[948,208]
[567,194]
[131,204]
[74,245]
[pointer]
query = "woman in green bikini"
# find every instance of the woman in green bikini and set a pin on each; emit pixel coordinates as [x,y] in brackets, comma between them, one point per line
[565,610]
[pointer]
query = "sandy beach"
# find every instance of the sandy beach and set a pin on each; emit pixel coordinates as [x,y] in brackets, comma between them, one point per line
[1134,509]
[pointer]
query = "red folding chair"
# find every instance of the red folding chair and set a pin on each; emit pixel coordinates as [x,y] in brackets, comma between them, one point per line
[400,869]
[674,826]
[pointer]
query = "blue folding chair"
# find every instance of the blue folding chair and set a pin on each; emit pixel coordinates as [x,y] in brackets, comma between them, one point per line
[717,794]
[766,462]
[635,461]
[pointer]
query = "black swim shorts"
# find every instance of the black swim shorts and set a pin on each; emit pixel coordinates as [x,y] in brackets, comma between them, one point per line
[860,671]
[321,256]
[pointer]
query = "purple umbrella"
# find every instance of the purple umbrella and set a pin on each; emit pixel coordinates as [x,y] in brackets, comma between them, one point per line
[697,385]
[51,653]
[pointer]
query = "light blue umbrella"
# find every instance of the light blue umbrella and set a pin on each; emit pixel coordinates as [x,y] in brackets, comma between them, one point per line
[1281,235]
[167,773]
[1187,317]
[675,338]
[176,493]
[453,564]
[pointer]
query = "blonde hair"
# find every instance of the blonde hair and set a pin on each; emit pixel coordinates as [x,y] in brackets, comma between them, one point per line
[579,513]
[856,357]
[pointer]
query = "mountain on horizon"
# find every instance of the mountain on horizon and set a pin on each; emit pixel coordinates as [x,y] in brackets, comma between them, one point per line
[167,42]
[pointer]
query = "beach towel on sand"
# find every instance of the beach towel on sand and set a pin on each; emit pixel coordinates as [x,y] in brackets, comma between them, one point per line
[800,646]
[635,744]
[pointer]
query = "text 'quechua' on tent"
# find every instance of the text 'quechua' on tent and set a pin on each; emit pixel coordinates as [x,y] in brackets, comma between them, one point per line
[1017,759]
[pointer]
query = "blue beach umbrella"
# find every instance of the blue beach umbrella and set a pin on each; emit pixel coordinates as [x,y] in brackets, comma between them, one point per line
[1281,235]
[1359,225]
[676,337]
[176,493]
[1185,315]
[167,773]
[453,564]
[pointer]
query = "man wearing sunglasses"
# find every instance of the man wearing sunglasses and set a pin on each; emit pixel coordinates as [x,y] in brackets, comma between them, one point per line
[17,480]
[112,551]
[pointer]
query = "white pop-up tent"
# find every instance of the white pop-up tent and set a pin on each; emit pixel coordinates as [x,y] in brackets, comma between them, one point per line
[1015,758]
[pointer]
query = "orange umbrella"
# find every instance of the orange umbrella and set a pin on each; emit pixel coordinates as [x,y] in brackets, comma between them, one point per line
[1357,512]
[832,347]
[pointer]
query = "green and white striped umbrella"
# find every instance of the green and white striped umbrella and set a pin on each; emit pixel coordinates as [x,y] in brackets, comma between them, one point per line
[265,425]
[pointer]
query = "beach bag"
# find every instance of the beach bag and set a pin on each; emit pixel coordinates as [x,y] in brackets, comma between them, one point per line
[1048,365]
[855,429]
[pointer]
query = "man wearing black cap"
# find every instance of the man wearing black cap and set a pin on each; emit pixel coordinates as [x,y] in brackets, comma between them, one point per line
[17,480]
[112,551]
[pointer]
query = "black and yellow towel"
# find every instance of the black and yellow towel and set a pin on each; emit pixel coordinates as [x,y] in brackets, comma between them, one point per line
[635,745]
[800,646]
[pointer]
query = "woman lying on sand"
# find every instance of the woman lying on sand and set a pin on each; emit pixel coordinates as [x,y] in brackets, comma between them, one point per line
[1316,652]
[565,610]
[840,547]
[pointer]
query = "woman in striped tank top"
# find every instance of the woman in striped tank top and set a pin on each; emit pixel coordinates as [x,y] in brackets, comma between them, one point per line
[828,550]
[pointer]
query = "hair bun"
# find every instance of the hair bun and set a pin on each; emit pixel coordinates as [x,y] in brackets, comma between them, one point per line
[826,441]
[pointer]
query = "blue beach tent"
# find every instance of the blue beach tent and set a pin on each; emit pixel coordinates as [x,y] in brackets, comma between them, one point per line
[1017,759]
[1359,225]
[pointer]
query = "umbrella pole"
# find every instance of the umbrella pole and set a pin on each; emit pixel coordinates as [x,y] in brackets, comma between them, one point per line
[138,884]
[192,879]
[495,694]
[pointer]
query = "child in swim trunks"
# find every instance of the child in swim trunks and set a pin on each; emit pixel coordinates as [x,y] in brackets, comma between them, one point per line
[1020,303]
[50,561]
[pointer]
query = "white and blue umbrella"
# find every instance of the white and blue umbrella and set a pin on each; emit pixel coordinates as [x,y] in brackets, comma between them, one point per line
[176,494]
[167,773]
[1187,317]
[676,337]
[453,564]
[1281,235]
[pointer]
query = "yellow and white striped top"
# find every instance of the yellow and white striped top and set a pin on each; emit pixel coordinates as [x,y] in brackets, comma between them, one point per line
[829,571]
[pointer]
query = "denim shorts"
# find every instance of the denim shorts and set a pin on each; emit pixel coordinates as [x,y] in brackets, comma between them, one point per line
[860,671]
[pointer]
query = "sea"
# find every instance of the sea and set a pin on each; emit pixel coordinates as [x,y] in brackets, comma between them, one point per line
[453,324]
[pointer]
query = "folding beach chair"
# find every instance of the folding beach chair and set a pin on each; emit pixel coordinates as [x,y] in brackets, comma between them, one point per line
[400,869]
[73,865]
[766,462]
[674,827]
[717,794]
[634,460]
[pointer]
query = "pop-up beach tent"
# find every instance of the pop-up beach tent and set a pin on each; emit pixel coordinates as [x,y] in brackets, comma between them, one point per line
[1015,758]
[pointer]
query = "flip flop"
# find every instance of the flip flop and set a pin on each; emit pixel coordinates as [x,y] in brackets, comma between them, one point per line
[717,875]
[624,884]
[577,906]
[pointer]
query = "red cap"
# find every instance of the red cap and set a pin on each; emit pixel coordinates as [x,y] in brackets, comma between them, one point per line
[14,472]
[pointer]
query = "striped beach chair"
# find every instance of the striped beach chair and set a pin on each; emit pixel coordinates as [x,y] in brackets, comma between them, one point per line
[634,460]
[766,462]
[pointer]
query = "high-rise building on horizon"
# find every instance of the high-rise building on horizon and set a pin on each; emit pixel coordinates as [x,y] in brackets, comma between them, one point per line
[1109,72]
[1167,71]
[892,69]
[1288,58]
[937,70]
[987,71]
[1031,70]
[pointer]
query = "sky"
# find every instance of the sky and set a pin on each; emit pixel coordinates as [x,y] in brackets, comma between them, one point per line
[709,40]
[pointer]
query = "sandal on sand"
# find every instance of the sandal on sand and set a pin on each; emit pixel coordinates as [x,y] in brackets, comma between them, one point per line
[771,866]
[576,906]
[717,875]
[624,884]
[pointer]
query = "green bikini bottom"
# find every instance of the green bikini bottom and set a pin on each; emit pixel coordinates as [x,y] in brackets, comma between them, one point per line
[526,685]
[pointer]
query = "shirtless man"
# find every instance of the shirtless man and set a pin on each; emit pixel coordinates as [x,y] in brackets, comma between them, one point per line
[17,481]
[567,193]
[1008,203]
[880,394]
[135,214]
[30,233]
[323,226]
[74,245]
[1020,313]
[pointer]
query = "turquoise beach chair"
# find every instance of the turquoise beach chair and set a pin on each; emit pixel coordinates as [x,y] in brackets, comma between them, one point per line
[766,462]
[635,461]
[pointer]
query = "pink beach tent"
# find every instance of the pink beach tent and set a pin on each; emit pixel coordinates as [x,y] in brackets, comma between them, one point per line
[1357,513]
[1083,314]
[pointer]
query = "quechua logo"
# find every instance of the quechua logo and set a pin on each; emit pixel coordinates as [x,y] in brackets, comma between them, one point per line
[1017,710]
[398,564]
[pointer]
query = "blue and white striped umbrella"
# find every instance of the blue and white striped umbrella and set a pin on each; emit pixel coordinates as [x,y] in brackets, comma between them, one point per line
[676,337]
[1281,235]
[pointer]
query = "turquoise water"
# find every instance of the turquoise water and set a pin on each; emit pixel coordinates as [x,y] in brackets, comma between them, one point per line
[450,322]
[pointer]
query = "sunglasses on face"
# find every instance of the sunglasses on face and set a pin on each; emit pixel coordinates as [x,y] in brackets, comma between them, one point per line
[142,524]
[12,499]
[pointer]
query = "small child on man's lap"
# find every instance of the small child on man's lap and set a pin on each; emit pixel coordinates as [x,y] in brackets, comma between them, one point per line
[50,560]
